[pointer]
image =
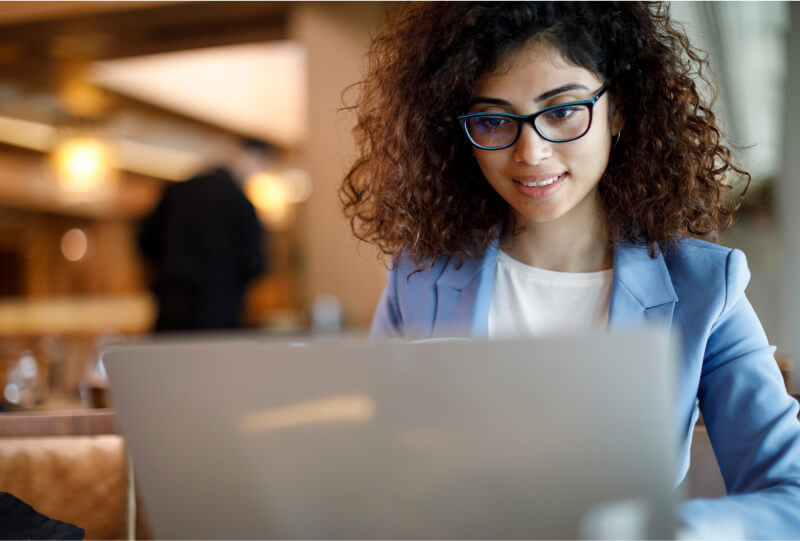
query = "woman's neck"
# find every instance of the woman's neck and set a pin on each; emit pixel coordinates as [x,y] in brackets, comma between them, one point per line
[565,245]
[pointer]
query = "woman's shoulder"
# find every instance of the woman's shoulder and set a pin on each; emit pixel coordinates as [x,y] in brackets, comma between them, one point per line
[405,277]
[698,265]
[427,272]
[694,254]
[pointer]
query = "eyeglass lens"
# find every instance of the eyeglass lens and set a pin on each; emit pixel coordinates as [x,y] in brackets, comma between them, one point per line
[560,124]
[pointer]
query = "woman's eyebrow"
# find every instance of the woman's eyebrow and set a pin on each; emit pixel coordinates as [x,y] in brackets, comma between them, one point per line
[563,88]
[547,95]
[491,101]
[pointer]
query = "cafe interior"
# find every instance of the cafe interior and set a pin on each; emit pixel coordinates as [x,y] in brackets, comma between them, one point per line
[105,104]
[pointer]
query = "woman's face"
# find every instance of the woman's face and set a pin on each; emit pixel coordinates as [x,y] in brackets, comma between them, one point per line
[544,181]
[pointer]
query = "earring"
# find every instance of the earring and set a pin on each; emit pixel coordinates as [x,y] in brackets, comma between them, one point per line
[619,134]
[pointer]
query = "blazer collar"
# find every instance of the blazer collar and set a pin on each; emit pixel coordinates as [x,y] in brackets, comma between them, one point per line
[642,292]
[464,295]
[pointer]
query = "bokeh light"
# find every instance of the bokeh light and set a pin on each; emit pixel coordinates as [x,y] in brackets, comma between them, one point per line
[74,244]
[269,195]
[83,164]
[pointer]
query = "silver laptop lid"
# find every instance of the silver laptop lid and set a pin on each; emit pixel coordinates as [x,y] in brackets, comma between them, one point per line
[561,437]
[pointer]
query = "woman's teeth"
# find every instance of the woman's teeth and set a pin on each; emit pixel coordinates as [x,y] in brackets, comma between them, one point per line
[540,183]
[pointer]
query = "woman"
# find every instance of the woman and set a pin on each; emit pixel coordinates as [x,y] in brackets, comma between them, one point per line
[536,167]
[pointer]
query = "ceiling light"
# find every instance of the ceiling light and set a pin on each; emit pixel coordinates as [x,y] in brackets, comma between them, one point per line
[82,164]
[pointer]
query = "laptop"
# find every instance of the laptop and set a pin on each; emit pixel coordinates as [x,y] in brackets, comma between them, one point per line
[560,437]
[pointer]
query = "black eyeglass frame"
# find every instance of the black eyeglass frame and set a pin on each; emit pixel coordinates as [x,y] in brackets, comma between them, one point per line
[530,119]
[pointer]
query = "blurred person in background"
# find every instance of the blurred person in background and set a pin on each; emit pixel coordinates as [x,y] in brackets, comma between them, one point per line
[203,244]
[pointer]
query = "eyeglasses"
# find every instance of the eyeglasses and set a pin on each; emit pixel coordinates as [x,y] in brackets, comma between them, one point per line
[557,124]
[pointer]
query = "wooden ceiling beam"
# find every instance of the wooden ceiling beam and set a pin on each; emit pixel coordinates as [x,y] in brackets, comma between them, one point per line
[151,30]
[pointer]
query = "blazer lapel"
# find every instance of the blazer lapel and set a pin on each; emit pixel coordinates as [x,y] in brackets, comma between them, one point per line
[463,296]
[642,291]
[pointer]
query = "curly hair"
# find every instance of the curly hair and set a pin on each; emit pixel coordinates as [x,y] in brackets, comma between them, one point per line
[415,188]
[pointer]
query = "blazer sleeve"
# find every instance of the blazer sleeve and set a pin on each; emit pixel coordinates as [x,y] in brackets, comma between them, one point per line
[387,322]
[752,424]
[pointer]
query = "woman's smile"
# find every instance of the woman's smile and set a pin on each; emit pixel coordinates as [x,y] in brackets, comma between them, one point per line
[539,186]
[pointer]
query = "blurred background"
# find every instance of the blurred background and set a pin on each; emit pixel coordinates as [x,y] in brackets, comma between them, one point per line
[104,104]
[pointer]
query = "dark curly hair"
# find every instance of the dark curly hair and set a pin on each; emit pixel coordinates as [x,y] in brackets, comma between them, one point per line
[415,188]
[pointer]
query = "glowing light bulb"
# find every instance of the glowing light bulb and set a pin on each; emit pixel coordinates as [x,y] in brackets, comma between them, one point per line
[269,196]
[82,164]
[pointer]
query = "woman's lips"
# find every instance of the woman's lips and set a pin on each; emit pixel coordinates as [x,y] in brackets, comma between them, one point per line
[539,186]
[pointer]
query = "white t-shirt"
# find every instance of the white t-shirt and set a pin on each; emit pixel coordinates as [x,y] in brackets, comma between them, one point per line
[531,301]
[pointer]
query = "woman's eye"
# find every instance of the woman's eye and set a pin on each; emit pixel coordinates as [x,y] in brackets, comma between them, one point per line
[562,114]
[493,122]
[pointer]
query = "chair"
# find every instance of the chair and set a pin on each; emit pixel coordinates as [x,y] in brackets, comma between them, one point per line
[71,466]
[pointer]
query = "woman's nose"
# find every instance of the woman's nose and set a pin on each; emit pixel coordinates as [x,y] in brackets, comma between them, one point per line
[530,148]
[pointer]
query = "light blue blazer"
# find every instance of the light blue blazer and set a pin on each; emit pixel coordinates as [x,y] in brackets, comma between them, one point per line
[728,368]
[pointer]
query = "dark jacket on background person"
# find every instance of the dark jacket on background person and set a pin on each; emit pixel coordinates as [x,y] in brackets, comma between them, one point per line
[205,244]
[18,520]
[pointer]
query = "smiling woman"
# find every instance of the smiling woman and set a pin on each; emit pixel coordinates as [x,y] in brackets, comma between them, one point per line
[664,177]
[534,167]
